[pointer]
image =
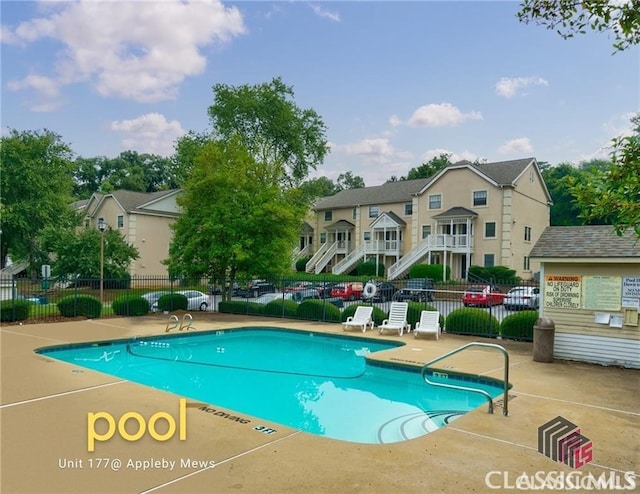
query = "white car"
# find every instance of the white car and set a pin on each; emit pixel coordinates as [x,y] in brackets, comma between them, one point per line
[195,300]
[522,297]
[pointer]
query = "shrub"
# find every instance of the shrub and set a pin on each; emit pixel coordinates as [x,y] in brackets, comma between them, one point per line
[172,301]
[80,305]
[415,310]
[519,326]
[368,268]
[281,308]
[472,321]
[14,310]
[318,310]
[301,265]
[378,314]
[130,306]
[232,307]
[498,274]
[254,309]
[433,271]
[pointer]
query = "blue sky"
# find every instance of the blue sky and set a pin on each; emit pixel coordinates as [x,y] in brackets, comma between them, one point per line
[396,83]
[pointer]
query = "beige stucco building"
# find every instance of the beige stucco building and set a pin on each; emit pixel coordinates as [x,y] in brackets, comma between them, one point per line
[467,214]
[143,219]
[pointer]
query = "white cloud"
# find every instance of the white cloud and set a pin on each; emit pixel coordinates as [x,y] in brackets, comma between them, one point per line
[136,50]
[395,121]
[521,145]
[378,150]
[327,14]
[510,86]
[441,115]
[150,133]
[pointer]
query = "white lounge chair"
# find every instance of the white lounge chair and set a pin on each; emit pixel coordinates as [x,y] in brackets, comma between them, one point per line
[362,318]
[429,323]
[397,320]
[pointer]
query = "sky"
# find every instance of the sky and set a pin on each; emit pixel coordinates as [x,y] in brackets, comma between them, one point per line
[396,83]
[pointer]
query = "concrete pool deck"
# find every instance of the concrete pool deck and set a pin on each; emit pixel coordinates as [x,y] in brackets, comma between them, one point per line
[45,403]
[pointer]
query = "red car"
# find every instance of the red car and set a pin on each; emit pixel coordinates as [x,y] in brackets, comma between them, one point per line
[482,296]
[348,290]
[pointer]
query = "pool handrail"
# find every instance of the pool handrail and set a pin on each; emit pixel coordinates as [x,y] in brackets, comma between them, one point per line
[505,407]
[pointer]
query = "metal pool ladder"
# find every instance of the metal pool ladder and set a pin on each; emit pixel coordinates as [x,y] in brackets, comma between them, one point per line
[173,322]
[505,408]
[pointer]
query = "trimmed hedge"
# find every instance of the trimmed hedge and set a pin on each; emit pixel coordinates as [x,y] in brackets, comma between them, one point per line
[232,307]
[14,310]
[172,301]
[471,320]
[281,308]
[433,271]
[519,326]
[301,264]
[80,305]
[318,310]
[378,314]
[130,306]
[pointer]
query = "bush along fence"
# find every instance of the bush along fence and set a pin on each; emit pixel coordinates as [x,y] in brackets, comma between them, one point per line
[300,296]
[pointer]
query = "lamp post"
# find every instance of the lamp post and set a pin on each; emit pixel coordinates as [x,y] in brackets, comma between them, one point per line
[102,226]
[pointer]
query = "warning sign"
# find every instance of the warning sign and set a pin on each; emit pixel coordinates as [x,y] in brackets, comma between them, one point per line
[562,291]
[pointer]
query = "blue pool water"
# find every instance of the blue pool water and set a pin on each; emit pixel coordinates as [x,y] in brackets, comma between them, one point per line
[322,384]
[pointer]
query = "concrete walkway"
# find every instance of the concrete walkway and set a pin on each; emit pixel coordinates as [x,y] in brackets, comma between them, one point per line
[45,404]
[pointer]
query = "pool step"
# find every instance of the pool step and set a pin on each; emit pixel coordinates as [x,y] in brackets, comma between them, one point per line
[415,425]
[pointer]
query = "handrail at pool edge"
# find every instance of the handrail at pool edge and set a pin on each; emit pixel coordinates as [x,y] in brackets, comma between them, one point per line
[505,408]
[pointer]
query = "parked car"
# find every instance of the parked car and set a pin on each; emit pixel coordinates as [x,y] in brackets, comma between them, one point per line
[298,285]
[482,296]
[195,300]
[382,291]
[152,298]
[324,288]
[348,290]
[257,288]
[416,290]
[522,297]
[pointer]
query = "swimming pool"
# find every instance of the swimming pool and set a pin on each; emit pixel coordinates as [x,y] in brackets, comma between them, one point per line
[322,384]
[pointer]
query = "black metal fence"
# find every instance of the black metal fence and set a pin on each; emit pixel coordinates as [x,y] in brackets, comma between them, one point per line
[323,298]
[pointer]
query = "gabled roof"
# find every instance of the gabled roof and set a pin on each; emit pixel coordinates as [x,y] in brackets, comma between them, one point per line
[340,224]
[138,202]
[585,242]
[389,192]
[457,212]
[392,216]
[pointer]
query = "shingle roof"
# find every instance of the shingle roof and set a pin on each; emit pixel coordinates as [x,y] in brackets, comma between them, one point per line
[386,193]
[504,172]
[585,241]
[456,212]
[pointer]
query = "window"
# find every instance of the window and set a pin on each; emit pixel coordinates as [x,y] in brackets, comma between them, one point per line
[527,234]
[367,236]
[480,198]
[490,229]
[426,231]
[525,264]
[328,215]
[374,211]
[354,213]
[489,260]
[435,201]
[408,209]
[120,221]
[323,238]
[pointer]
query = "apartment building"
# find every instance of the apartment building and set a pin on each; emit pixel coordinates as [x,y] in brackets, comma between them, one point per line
[467,214]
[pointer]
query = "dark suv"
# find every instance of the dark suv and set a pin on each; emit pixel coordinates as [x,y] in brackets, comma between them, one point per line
[416,290]
[257,288]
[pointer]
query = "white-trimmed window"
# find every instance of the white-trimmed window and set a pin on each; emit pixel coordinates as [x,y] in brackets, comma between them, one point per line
[120,221]
[490,229]
[408,209]
[328,215]
[374,211]
[489,260]
[426,231]
[527,234]
[323,238]
[435,201]
[367,236]
[526,264]
[480,198]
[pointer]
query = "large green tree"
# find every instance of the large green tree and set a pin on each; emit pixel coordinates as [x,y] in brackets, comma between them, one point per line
[277,132]
[36,186]
[571,17]
[430,168]
[77,253]
[236,221]
[614,194]
[348,180]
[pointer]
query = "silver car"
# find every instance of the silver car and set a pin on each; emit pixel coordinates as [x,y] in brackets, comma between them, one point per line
[523,297]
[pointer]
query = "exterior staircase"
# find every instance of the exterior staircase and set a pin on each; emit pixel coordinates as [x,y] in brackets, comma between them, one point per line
[321,258]
[350,260]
